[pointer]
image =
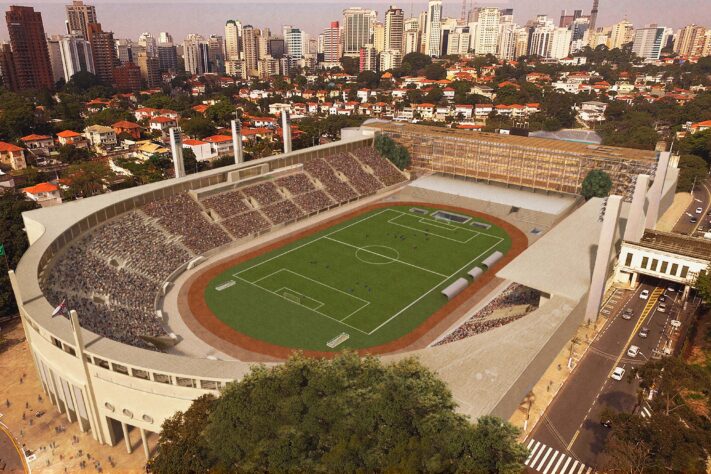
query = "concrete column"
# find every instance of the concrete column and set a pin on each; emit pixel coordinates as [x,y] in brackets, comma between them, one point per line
[176,146]
[126,438]
[605,247]
[685,295]
[286,129]
[237,141]
[634,280]
[655,192]
[144,441]
[636,216]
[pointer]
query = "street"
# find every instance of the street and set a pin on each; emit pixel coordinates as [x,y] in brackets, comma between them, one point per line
[702,199]
[570,437]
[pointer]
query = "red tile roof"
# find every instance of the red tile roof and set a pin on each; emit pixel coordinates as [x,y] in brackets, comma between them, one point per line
[34,137]
[41,188]
[191,142]
[6,147]
[68,134]
[125,124]
[218,139]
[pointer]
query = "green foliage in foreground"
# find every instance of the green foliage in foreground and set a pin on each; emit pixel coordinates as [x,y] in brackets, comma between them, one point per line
[342,415]
[394,152]
[597,183]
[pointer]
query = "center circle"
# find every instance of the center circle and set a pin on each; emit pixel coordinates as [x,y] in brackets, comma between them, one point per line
[377,254]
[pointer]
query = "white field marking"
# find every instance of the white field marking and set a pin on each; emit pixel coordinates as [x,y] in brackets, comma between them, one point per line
[442,224]
[293,302]
[281,290]
[385,256]
[436,286]
[460,226]
[476,234]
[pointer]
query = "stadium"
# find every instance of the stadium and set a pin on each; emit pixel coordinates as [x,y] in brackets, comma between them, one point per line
[171,290]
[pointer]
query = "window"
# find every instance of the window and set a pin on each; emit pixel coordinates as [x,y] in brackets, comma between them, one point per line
[655,262]
[674,268]
[628,260]
[121,369]
[161,378]
[664,267]
[684,271]
[645,261]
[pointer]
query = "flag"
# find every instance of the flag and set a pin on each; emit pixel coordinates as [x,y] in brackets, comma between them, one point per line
[61,309]
[2,250]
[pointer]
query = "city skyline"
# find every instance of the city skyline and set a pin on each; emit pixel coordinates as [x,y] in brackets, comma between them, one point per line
[179,21]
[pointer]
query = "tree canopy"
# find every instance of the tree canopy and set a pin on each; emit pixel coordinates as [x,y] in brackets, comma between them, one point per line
[199,127]
[597,183]
[348,414]
[692,169]
[393,151]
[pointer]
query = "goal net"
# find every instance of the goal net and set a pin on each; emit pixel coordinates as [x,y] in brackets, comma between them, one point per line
[340,339]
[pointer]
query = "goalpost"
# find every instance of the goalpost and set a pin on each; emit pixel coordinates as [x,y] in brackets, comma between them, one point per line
[340,339]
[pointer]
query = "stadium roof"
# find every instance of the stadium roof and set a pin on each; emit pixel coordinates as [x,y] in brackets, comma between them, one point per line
[596,151]
[676,243]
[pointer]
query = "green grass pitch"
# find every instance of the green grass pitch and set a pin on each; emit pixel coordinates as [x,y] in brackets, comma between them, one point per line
[375,278]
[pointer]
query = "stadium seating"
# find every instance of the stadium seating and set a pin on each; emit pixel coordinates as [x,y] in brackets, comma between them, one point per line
[226,204]
[385,171]
[263,193]
[297,183]
[362,181]
[337,189]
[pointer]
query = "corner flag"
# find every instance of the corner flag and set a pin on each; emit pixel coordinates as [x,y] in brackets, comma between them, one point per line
[2,250]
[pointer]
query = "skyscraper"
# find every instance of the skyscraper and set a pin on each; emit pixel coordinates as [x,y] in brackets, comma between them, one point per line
[7,67]
[76,55]
[29,48]
[433,28]
[331,47]
[79,16]
[378,36]
[167,57]
[368,58]
[55,57]
[294,41]
[104,51]
[394,28]
[357,29]
[150,69]
[216,53]
[649,41]
[250,49]
[232,33]
[149,44]
[196,53]
[411,40]
[690,41]
[621,34]
[560,43]
[487,32]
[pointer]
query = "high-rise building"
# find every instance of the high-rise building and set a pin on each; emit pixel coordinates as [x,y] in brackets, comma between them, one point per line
[7,67]
[165,38]
[104,51]
[560,43]
[216,54]
[196,53]
[357,29]
[250,49]
[55,57]
[506,49]
[541,36]
[294,42]
[411,40]
[331,43]
[394,29]
[567,19]
[458,41]
[149,44]
[233,31]
[378,36]
[276,48]
[127,77]
[125,50]
[29,48]
[79,17]
[268,67]
[390,59]
[76,55]
[649,41]
[167,57]
[368,58]
[487,32]
[522,39]
[433,28]
[150,69]
[621,34]
[690,41]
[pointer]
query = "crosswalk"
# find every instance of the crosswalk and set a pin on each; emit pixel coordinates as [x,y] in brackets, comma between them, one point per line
[645,412]
[546,460]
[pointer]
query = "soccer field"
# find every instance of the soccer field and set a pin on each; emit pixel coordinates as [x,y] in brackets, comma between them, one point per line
[358,284]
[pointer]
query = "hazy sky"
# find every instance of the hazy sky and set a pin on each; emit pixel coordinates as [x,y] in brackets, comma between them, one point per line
[129,18]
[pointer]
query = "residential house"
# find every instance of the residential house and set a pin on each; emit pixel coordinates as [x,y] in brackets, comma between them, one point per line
[131,129]
[12,156]
[100,136]
[70,137]
[44,194]
[221,144]
[202,150]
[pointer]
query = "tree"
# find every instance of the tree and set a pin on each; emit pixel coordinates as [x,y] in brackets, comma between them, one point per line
[221,113]
[368,79]
[109,116]
[692,169]
[70,154]
[597,183]
[703,285]
[88,178]
[14,241]
[350,65]
[81,82]
[412,63]
[17,116]
[393,151]
[348,414]
[199,127]
[435,72]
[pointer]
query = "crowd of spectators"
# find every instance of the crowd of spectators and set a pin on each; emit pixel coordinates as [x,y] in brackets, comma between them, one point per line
[296,184]
[313,201]
[251,222]
[284,211]
[226,204]
[337,189]
[385,171]
[365,183]
[181,215]
[264,193]
[514,295]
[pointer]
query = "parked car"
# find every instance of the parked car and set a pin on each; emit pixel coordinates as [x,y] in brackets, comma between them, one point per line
[644,332]
[606,422]
[662,308]
[618,373]
[693,220]
[627,313]
[699,210]
[662,299]
[633,351]
[644,295]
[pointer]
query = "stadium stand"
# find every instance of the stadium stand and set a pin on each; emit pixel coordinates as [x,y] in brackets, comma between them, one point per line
[263,193]
[226,204]
[284,211]
[296,184]
[385,171]
[363,182]
[251,222]
[337,189]
[313,201]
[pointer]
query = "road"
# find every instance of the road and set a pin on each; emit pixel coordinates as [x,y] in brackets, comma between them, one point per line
[11,458]
[570,438]
[702,199]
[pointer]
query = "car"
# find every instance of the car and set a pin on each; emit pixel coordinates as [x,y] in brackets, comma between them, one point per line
[618,373]
[644,295]
[606,422]
[699,210]
[662,299]
[693,220]
[662,308]
[671,289]
[627,313]
[633,351]
[644,332]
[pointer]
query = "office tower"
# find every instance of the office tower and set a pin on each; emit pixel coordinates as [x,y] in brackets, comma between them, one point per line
[522,39]
[567,19]
[458,41]
[232,34]
[560,43]
[331,43]
[411,40]
[357,29]
[447,28]
[55,57]
[541,36]
[125,50]
[390,59]
[690,41]
[368,58]
[294,42]
[394,28]
[621,34]
[196,54]
[487,32]
[649,41]
[706,51]
[378,36]
[29,48]
[7,67]
[276,48]
[149,44]
[127,77]
[104,51]
[506,15]
[165,38]
[167,57]
[506,48]
[216,54]
[433,28]
[249,45]
[268,67]
[593,15]
[150,69]
[79,17]
[263,37]
[76,55]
